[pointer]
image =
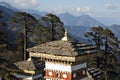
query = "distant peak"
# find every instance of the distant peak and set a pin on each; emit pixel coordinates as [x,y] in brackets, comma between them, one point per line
[67,13]
[85,15]
[115,25]
[7,5]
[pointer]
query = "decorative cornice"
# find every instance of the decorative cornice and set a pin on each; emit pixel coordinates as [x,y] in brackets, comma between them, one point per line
[57,71]
[58,59]
[53,57]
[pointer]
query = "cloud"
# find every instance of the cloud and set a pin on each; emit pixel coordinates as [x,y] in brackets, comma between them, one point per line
[78,9]
[82,10]
[57,10]
[24,3]
[75,11]
[110,6]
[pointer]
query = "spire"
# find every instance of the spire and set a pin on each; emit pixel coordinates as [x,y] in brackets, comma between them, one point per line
[65,38]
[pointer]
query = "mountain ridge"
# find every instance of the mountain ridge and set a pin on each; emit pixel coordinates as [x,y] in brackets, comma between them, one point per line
[76,25]
[72,20]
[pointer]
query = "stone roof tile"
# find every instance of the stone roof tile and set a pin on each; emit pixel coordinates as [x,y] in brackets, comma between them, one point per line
[27,65]
[63,48]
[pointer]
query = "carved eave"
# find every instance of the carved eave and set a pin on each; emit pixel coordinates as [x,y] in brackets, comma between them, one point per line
[51,56]
[87,56]
[30,72]
[81,57]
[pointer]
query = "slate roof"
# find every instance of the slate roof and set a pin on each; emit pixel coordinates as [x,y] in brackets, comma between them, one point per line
[27,65]
[2,61]
[64,48]
[96,74]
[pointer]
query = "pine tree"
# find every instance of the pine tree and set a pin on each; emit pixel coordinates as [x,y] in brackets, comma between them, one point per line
[95,36]
[105,40]
[3,36]
[19,41]
[24,23]
[1,16]
[41,35]
[55,26]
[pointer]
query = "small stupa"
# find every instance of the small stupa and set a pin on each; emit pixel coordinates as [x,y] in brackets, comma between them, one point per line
[27,70]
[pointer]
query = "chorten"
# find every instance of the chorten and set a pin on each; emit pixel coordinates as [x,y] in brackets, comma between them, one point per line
[64,59]
[27,70]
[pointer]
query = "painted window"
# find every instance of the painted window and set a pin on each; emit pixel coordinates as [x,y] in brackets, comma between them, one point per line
[50,73]
[74,75]
[64,75]
[83,72]
[58,75]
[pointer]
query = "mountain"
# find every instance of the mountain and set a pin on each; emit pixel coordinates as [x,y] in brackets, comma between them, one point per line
[42,13]
[76,25]
[77,32]
[115,29]
[68,19]
[109,20]
[6,13]
[7,5]
[37,14]
[71,20]
[83,19]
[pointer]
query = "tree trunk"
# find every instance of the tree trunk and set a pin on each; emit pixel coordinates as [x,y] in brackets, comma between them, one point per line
[52,31]
[25,39]
[106,77]
[106,45]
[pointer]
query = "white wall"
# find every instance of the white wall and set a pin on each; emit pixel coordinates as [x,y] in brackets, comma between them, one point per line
[59,67]
[63,67]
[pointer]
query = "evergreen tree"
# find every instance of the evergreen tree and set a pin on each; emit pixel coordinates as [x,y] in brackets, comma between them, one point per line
[19,41]
[3,39]
[55,26]
[41,35]
[95,36]
[25,23]
[3,36]
[1,16]
[105,40]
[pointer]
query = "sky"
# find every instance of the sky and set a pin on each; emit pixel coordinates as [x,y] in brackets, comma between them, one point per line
[95,8]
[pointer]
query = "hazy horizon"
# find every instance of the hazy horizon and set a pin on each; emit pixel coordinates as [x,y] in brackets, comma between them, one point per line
[106,11]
